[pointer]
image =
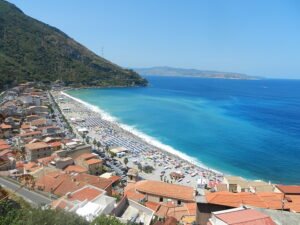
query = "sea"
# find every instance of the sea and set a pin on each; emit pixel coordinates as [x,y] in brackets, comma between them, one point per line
[248,128]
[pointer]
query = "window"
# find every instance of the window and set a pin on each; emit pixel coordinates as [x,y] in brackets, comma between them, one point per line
[161,199]
[178,202]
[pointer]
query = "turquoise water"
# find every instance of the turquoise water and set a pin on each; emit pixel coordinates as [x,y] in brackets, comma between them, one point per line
[246,128]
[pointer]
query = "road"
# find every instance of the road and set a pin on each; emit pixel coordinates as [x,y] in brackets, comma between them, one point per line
[30,196]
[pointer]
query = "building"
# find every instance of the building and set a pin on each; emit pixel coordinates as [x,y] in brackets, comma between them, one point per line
[132,175]
[30,135]
[288,189]
[37,150]
[60,183]
[75,169]
[5,130]
[88,202]
[236,184]
[91,162]
[240,216]
[131,211]
[218,201]
[161,192]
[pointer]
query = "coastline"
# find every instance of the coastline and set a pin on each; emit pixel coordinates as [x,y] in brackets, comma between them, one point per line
[153,144]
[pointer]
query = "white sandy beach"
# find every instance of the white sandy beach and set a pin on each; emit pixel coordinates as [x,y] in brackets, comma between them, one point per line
[142,148]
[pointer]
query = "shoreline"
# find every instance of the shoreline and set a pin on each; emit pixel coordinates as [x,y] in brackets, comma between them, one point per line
[152,145]
[144,137]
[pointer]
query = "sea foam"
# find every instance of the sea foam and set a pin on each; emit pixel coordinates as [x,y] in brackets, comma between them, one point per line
[148,139]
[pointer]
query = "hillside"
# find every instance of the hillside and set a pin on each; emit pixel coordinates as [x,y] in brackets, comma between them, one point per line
[170,71]
[33,51]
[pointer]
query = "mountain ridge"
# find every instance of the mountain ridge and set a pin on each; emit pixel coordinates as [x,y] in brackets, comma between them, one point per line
[31,50]
[173,71]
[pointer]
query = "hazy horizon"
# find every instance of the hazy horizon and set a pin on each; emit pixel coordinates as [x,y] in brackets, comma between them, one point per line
[254,38]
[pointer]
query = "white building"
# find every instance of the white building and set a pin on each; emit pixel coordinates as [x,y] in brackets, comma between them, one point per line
[88,202]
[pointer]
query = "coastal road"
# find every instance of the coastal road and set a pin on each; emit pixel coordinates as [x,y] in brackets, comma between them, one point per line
[34,198]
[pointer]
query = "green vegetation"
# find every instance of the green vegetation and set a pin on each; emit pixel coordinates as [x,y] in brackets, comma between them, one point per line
[14,211]
[33,51]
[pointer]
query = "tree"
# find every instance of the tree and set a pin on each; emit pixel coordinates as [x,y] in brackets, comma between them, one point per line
[148,169]
[87,139]
[94,142]
[98,144]
[125,161]
[83,136]
[106,220]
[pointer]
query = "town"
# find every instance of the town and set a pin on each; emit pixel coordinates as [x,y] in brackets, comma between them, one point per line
[56,153]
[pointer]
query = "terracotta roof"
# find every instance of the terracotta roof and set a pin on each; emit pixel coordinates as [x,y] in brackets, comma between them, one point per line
[38,122]
[152,205]
[55,144]
[289,189]
[29,133]
[5,126]
[135,196]
[75,169]
[5,146]
[62,204]
[86,193]
[170,221]
[93,161]
[269,200]
[36,146]
[2,142]
[167,190]
[25,126]
[61,183]
[86,156]
[6,152]
[293,203]
[169,209]
[114,178]
[46,160]
[245,217]
[47,127]
[31,166]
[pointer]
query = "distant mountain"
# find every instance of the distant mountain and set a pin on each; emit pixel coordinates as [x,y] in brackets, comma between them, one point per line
[170,71]
[34,51]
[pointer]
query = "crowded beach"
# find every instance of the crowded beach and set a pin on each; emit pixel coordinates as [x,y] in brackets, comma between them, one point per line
[167,166]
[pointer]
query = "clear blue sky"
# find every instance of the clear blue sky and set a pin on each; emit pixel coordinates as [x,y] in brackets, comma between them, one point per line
[254,37]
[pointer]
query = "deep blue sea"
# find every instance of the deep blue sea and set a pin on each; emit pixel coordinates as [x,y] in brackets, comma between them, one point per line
[249,128]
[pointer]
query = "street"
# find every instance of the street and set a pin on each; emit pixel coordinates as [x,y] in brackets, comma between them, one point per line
[30,196]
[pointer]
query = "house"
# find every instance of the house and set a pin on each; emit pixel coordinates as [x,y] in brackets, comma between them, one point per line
[30,167]
[37,110]
[7,163]
[30,135]
[39,123]
[217,201]
[132,175]
[74,150]
[88,202]
[161,192]
[131,211]
[60,183]
[91,162]
[5,130]
[75,169]
[49,131]
[30,118]
[288,189]
[240,216]
[236,184]
[37,150]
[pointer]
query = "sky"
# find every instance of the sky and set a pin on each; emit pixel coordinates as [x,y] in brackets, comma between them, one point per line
[255,37]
